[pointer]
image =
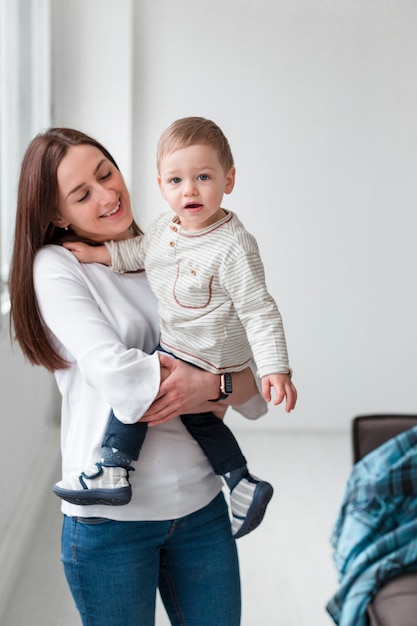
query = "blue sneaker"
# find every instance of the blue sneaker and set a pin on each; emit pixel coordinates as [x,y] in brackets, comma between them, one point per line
[98,485]
[248,501]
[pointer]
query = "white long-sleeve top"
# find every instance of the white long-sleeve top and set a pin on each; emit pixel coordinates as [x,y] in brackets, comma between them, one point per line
[214,306]
[104,324]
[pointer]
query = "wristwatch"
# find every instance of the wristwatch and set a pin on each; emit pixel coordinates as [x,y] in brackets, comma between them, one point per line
[226,387]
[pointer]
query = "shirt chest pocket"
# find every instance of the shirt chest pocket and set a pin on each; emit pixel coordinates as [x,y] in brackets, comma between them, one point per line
[193,286]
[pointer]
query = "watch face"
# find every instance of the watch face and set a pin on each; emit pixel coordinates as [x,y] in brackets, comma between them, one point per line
[228,388]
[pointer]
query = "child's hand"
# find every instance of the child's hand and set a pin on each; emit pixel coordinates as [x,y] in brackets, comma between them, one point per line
[88,254]
[283,389]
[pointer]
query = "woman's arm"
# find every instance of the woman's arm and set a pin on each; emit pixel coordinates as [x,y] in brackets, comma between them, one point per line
[126,378]
[188,389]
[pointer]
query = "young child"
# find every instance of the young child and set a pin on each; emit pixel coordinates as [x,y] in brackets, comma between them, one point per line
[215,312]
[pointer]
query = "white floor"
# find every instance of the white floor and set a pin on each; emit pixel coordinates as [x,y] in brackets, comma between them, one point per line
[286,564]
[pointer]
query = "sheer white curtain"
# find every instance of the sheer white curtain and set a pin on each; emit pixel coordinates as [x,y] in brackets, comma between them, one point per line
[25,104]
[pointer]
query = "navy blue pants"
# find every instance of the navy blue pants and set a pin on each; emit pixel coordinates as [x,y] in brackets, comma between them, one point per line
[215,438]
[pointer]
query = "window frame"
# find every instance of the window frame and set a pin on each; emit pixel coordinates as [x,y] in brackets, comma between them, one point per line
[25,106]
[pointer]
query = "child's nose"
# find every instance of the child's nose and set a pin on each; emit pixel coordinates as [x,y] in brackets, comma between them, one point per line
[189,188]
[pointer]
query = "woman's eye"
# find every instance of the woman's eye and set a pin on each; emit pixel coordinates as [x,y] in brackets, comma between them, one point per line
[84,197]
[105,176]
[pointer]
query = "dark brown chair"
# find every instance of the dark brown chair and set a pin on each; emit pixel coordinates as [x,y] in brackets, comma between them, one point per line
[396,602]
[370,431]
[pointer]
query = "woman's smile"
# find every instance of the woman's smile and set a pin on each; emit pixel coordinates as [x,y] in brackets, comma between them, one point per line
[114,211]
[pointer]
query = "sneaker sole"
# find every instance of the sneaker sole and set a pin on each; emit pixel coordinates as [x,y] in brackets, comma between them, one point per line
[256,510]
[110,497]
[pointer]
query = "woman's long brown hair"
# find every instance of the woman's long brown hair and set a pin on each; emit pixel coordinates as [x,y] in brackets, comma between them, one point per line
[37,206]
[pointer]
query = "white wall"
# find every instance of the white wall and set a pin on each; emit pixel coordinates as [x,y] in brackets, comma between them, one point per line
[318,99]
[92,72]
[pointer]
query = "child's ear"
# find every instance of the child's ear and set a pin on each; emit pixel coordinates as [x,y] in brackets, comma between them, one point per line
[230,180]
[161,187]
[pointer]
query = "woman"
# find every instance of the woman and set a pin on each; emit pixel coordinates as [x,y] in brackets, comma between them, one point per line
[95,330]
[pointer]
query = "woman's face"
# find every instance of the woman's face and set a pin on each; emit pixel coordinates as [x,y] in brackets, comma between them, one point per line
[93,198]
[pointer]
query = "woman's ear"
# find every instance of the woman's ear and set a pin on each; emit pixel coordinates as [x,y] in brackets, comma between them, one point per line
[60,222]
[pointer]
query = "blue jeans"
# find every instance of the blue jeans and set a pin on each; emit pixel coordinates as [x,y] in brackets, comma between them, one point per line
[114,569]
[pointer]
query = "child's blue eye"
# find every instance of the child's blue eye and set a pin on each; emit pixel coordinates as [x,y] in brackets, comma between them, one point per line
[203,177]
[175,180]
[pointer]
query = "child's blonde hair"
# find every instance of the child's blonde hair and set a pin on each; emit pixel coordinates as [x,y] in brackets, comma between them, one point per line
[191,131]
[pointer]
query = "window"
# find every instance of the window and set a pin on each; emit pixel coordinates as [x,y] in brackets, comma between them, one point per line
[24,104]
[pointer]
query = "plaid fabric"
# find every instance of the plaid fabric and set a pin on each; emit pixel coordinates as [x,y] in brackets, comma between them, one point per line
[375,535]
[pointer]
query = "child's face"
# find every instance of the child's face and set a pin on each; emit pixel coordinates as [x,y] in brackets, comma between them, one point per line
[193,182]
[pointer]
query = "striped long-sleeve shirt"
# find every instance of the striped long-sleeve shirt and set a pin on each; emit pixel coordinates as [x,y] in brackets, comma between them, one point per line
[215,310]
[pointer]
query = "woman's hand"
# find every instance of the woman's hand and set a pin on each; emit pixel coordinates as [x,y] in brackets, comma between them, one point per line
[184,389]
[188,389]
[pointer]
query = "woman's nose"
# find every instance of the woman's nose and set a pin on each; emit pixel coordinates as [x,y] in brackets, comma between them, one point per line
[107,196]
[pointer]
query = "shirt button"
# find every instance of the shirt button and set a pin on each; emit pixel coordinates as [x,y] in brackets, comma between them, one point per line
[172,244]
[174,228]
[194,272]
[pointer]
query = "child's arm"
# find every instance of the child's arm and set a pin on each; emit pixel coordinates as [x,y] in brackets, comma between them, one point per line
[283,389]
[88,254]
